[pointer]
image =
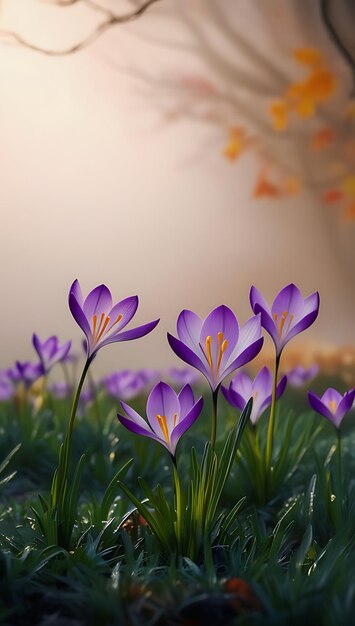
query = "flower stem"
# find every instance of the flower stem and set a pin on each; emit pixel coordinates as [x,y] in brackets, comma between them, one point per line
[340,462]
[63,466]
[214,416]
[270,432]
[178,498]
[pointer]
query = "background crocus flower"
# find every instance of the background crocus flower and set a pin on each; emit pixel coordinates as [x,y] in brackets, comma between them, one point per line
[49,351]
[182,376]
[217,345]
[60,390]
[332,404]
[29,372]
[124,385]
[242,388]
[101,321]
[288,315]
[6,387]
[169,414]
[300,376]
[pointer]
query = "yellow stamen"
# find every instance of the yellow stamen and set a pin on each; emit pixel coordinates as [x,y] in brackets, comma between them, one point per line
[208,350]
[163,425]
[221,351]
[175,418]
[333,406]
[282,322]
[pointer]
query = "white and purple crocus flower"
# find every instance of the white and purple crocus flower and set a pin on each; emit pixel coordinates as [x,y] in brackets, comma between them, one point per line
[217,345]
[169,414]
[242,388]
[332,404]
[103,322]
[50,351]
[288,315]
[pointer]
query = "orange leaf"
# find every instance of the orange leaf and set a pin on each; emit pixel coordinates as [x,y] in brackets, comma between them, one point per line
[308,56]
[349,213]
[322,139]
[332,196]
[279,114]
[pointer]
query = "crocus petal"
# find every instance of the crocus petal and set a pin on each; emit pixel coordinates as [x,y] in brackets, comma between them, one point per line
[281,387]
[76,291]
[306,321]
[138,429]
[318,406]
[267,400]
[241,383]
[289,300]
[98,301]
[133,415]
[345,404]
[36,343]
[185,423]
[187,355]
[79,315]
[331,395]
[162,401]
[247,355]
[220,320]
[133,333]
[127,308]
[263,382]
[189,329]
[234,398]
[63,351]
[257,299]
[186,400]
[260,306]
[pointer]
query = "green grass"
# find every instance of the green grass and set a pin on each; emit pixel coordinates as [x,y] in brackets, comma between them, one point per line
[288,535]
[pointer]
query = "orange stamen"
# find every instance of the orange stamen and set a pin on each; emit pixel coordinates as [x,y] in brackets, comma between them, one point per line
[175,418]
[333,406]
[103,328]
[100,324]
[163,425]
[208,350]
[94,323]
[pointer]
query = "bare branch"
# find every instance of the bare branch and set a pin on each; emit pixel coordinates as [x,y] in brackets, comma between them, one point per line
[110,21]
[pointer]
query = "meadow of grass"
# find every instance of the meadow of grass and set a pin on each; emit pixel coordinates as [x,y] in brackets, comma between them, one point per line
[280,549]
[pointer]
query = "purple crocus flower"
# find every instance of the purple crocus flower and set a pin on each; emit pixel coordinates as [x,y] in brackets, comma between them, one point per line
[49,351]
[242,388]
[29,372]
[332,404]
[217,345]
[182,375]
[60,390]
[300,376]
[288,315]
[13,374]
[6,387]
[102,322]
[169,414]
[124,385]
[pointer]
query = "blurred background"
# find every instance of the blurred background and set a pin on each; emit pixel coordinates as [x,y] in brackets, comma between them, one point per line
[182,155]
